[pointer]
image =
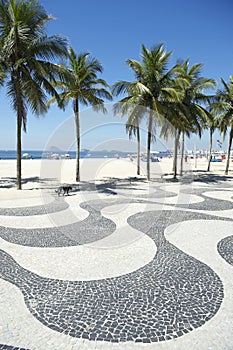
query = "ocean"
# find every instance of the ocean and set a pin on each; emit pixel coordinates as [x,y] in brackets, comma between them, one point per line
[32,154]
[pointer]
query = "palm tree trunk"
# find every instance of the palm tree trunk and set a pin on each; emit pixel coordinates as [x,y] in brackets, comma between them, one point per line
[149,145]
[19,150]
[177,136]
[182,155]
[20,113]
[138,150]
[229,151]
[77,124]
[211,145]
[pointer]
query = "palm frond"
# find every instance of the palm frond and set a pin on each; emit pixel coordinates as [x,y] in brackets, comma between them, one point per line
[137,68]
[121,87]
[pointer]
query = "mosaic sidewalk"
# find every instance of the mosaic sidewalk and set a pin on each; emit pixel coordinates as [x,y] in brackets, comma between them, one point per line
[137,266]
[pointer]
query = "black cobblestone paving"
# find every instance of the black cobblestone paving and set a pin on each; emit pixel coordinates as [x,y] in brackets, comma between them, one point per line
[225,249]
[207,203]
[165,299]
[91,229]
[55,206]
[170,296]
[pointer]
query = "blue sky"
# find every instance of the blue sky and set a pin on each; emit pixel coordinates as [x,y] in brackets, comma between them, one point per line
[113,31]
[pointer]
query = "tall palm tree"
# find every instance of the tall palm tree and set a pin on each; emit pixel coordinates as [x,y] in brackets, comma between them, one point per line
[182,153]
[28,54]
[135,130]
[223,105]
[212,124]
[191,108]
[178,124]
[152,89]
[134,114]
[82,86]
[175,155]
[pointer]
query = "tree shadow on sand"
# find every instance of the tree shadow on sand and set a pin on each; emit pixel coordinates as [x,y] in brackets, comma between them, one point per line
[10,182]
[196,176]
[106,185]
[109,186]
[210,178]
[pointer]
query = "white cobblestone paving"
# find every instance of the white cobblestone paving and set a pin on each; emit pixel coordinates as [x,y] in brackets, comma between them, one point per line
[166,257]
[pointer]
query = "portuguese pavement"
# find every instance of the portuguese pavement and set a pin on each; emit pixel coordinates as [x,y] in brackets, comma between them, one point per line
[124,265]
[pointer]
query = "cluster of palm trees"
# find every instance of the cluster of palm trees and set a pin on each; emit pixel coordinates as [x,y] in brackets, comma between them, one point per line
[176,102]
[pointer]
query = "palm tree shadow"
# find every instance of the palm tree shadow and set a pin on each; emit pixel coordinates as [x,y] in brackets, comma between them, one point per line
[211,178]
[196,176]
[10,182]
[108,186]
[204,177]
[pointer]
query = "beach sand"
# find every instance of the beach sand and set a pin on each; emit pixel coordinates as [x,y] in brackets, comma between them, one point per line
[39,174]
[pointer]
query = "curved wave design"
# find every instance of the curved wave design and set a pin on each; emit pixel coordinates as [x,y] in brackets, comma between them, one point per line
[208,203]
[91,229]
[55,206]
[167,298]
[225,249]
[63,236]
[153,192]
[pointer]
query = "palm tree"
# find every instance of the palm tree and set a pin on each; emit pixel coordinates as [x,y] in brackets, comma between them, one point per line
[223,106]
[178,125]
[193,114]
[27,53]
[135,130]
[82,86]
[152,89]
[132,124]
[213,124]
[175,155]
[182,153]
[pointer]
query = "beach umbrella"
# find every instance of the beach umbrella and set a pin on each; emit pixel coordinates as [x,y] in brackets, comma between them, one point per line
[25,155]
[55,156]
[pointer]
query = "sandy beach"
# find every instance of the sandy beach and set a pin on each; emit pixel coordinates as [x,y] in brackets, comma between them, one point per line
[42,173]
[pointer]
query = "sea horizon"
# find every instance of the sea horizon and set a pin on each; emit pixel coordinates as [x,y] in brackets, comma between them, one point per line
[85,153]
